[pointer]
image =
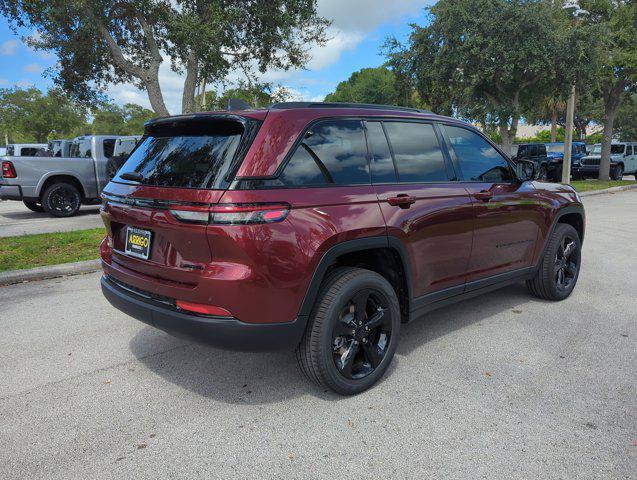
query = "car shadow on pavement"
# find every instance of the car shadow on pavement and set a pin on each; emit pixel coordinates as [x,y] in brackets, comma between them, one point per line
[262,378]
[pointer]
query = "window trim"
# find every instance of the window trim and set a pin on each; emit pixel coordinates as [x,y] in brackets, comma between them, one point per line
[295,147]
[454,173]
[456,162]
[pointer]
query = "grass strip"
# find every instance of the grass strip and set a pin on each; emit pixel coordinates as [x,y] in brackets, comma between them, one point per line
[30,251]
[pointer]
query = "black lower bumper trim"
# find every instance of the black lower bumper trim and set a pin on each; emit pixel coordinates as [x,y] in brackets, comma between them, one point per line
[221,332]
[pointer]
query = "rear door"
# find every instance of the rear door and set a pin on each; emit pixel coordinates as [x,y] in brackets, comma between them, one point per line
[162,194]
[507,216]
[423,205]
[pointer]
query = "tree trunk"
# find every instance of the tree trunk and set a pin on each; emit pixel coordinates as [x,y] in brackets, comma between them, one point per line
[604,164]
[155,96]
[190,85]
[508,133]
[611,105]
[554,125]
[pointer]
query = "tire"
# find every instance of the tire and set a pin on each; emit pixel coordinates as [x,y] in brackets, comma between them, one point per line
[345,363]
[617,172]
[546,284]
[61,200]
[543,174]
[33,206]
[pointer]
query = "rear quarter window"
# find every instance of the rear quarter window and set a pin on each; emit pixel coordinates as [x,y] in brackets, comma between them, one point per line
[332,152]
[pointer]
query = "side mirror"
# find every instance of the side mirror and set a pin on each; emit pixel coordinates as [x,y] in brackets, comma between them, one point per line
[525,170]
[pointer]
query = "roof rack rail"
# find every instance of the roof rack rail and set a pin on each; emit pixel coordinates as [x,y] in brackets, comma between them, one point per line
[373,106]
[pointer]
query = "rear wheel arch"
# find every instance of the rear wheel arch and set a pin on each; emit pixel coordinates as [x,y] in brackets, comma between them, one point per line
[386,256]
[62,179]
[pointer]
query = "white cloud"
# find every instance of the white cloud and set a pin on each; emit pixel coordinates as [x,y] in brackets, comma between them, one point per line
[3,82]
[33,68]
[353,21]
[9,47]
[24,84]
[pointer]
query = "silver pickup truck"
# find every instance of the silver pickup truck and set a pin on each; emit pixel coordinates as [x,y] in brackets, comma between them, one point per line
[59,185]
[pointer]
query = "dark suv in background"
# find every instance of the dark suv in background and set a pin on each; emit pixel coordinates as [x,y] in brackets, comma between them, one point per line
[324,227]
[536,153]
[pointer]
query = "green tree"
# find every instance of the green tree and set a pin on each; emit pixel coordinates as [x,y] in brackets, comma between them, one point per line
[28,115]
[617,72]
[626,120]
[100,42]
[111,119]
[373,85]
[489,60]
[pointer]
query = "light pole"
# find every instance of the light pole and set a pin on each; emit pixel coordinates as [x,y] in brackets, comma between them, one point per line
[570,106]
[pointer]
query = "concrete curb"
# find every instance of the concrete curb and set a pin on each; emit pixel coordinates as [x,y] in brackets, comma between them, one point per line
[52,271]
[608,190]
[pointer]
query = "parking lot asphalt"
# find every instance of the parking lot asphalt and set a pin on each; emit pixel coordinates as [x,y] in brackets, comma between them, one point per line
[501,386]
[16,219]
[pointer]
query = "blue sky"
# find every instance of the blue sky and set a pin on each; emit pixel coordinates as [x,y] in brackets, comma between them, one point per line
[359,29]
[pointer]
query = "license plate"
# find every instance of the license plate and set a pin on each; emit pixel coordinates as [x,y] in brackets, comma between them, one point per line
[138,242]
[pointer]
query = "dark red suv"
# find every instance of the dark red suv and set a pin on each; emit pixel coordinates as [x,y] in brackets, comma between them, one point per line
[323,227]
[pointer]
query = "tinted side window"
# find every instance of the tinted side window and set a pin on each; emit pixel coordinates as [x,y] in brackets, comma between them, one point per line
[479,161]
[29,151]
[629,150]
[541,150]
[109,146]
[533,150]
[381,161]
[332,152]
[417,152]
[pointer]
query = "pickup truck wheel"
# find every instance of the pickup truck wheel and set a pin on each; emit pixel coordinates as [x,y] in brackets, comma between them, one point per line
[61,200]
[542,175]
[33,206]
[617,172]
[559,268]
[352,332]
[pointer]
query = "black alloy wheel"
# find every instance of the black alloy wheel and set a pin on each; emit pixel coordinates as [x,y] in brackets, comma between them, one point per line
[567,260]
[361,336]
[61,200]
[352,332]
[559,268]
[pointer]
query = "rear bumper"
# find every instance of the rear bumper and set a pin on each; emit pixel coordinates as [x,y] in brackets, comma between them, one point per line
[10,192]
[221,332]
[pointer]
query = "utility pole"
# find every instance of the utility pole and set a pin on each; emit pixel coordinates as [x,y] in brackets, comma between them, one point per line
[568,140]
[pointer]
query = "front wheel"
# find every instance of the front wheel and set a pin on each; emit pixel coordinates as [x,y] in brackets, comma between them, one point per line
[543,174]
[352,332]
[61,200]
[34,206]
[617,172]
[559,269]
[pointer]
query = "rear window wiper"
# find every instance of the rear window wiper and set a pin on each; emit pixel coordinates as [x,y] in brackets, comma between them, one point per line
[134,176]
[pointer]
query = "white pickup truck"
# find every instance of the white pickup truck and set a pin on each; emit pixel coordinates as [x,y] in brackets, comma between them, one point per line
[60,185]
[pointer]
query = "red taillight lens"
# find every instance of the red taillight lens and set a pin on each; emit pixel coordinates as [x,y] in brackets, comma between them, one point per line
[241,214]
[233,214]
[203,309]
[8,170]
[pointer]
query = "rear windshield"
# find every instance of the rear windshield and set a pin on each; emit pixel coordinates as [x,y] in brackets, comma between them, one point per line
[189,155]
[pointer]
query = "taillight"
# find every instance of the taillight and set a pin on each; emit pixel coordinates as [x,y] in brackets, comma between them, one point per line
[233,214]
[8,170]
[203,309]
